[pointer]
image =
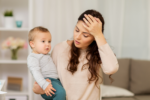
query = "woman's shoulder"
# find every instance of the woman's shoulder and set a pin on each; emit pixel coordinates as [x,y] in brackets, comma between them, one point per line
[59,45]
[66,43]
[62,45]
[69,42]
[60,48]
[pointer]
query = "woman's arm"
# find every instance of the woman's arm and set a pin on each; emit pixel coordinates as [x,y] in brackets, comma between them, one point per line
[37,89]
[109,61]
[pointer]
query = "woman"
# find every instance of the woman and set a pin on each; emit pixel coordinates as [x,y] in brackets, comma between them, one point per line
[79,62]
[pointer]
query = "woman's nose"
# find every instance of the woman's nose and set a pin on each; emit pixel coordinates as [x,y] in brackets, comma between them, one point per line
[78,36]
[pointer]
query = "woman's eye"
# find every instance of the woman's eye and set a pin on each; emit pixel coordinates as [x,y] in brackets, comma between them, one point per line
[77,31]
[43,41]
[85,36]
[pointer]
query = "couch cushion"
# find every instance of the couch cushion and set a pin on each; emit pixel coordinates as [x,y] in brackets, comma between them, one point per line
[113,91]
[142,97]
[121,78]
[124,98]
[137,97]
[140,81]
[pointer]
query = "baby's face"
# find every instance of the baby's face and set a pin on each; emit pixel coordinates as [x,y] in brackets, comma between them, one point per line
[42,43]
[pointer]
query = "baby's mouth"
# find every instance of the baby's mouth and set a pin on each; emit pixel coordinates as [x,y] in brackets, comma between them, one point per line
[47,48]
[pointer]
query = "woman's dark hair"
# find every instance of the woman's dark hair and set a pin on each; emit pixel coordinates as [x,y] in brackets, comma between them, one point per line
[92,56]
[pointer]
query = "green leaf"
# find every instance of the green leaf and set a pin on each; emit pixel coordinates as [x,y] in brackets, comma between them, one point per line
[8,13]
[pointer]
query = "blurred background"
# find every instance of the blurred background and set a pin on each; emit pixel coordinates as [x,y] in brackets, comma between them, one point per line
[127,31]
[126,22]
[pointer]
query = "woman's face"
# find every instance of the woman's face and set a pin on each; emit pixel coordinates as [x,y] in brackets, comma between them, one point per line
[82,37]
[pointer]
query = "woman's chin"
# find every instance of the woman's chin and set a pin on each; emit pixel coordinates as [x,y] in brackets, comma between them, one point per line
[78,46]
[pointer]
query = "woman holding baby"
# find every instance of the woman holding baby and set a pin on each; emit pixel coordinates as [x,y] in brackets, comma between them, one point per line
[79,61]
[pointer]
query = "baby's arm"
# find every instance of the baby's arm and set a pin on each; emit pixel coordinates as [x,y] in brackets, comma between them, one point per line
[33,65]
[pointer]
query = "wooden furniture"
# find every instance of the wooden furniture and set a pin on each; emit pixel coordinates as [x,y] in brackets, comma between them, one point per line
[22,10]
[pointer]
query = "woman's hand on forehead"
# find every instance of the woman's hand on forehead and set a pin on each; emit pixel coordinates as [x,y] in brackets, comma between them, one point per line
[93,25]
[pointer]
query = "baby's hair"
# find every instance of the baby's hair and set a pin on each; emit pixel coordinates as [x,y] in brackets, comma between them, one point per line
[34,31]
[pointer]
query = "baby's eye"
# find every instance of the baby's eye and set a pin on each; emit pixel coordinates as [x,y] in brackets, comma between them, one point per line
[49,41]
[43,41]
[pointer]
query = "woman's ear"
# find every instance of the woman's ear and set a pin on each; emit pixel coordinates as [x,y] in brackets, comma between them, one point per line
[31,44]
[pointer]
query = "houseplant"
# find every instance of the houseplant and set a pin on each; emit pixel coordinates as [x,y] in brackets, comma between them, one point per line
[8,19]
[14,44]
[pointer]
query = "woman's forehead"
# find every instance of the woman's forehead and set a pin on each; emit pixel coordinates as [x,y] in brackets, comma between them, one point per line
[80,27]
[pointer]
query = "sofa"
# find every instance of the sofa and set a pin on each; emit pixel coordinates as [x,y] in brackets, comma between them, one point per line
[133,77]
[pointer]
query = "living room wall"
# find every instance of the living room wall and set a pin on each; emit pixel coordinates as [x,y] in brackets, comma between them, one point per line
[127,22]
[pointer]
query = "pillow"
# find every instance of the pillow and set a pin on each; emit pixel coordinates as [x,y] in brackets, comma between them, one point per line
[121,77]
[113,91]
[140,81]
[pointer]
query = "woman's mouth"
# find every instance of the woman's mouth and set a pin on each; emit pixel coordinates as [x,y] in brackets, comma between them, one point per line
[76,42]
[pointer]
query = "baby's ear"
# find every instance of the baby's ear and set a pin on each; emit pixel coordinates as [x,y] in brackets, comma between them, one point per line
[31,44]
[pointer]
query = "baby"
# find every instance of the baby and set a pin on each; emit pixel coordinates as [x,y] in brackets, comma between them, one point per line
[41,64]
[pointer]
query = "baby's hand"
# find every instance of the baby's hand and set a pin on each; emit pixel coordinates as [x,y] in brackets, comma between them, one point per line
[49,90]
[48,80]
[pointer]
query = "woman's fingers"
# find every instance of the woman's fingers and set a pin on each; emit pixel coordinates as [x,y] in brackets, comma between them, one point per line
[88,18]
[92,18]
[53,89]
[50,90]
[49,93]
[96,19]
[87,23]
